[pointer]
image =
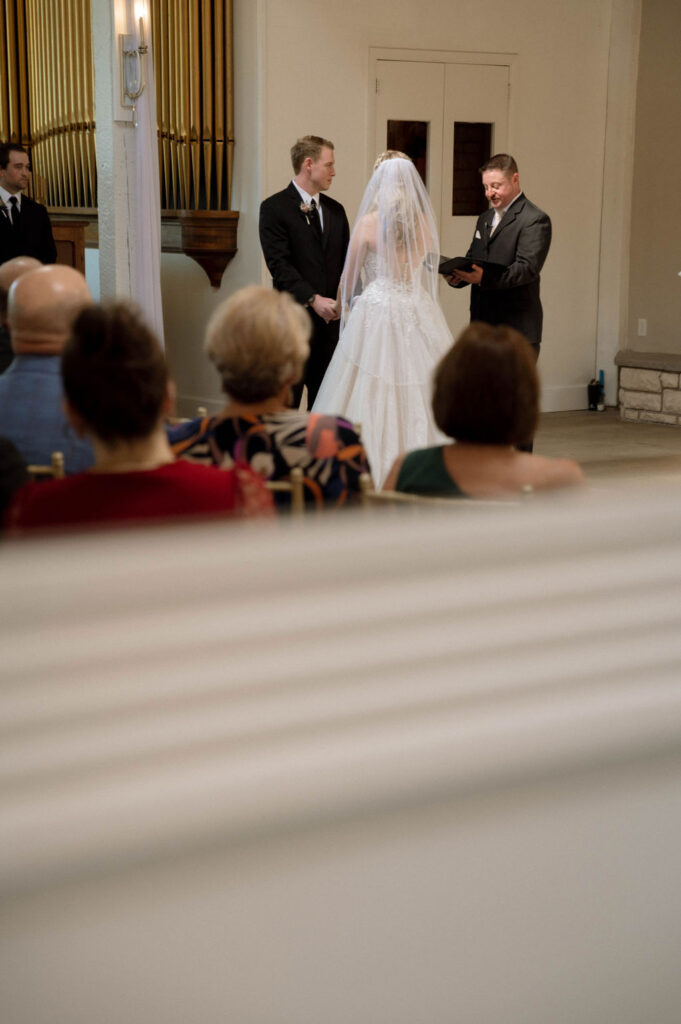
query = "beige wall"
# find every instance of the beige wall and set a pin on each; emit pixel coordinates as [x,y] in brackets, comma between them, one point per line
[557,110]
[655,289]
[303,66]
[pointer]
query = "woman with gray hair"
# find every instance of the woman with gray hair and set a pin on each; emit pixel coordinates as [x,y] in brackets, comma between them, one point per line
[258,341]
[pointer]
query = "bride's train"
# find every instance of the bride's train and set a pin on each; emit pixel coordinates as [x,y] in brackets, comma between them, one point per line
[381,374]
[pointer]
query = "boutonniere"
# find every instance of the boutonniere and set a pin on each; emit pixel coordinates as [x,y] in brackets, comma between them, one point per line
[306,209]
[3,208]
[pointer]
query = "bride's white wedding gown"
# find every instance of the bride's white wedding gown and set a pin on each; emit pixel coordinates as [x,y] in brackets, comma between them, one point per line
[381,373]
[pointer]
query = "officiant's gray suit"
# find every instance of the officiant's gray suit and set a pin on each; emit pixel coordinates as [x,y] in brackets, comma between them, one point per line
[520,243]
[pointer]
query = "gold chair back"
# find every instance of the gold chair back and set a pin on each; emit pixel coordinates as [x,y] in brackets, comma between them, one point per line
[292,486]
[54,470]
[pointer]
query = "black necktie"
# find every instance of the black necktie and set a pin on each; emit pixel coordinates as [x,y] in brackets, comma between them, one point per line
[314,218]
[13,211]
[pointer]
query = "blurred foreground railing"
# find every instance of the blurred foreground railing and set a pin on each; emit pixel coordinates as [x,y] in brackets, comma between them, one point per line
[356,768]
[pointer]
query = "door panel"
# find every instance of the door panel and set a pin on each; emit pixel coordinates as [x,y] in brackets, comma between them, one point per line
[413,91]
[441,94]
[475,93]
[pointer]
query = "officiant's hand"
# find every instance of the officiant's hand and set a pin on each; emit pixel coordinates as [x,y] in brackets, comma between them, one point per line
[473,276]
[327,309]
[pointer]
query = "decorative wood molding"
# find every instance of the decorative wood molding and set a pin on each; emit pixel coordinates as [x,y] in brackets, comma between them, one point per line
[209,237]
[69,237]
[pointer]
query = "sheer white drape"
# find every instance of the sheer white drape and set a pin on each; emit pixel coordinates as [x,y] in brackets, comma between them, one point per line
[145,198]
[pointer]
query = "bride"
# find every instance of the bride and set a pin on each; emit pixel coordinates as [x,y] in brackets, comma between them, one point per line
[393,332]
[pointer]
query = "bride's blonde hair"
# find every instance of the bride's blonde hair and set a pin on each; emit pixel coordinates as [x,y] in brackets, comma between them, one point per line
[394,232]
[390,154]
[394,200]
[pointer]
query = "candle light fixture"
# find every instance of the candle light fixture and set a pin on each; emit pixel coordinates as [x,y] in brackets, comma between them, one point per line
[132,50]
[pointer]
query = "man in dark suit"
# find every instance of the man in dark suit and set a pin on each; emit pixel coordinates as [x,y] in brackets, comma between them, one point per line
[304,236]
[24,224]
[515,234]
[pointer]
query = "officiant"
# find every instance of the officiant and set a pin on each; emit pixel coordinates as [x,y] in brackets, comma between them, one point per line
[515,233]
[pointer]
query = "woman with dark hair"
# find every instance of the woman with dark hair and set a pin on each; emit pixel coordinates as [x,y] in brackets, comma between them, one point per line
[486,397]
[118,393]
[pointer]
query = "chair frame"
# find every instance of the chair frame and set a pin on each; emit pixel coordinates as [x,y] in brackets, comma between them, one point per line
[55,470]
[371,497]
[294,487]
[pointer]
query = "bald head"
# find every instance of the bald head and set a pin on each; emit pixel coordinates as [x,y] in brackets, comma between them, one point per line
[42,306]
[9,272]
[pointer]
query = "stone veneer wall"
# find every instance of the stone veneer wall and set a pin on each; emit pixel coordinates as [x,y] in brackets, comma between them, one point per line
[649,387]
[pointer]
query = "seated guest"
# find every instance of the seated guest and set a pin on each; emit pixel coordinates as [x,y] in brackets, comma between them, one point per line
[117,391]
[9,272]
[258,340]
[486,397]
[42,306]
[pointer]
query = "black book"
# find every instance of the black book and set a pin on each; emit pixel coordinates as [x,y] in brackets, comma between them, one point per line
[449,264]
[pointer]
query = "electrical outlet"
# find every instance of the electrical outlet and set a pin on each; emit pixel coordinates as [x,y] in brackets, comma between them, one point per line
[642,328]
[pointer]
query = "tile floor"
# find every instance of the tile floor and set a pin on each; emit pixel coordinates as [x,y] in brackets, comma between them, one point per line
[610,451]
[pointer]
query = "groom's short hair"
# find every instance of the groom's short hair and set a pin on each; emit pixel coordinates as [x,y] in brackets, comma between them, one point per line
[309,145]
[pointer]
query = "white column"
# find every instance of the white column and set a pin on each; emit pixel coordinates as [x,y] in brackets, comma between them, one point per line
[127,168]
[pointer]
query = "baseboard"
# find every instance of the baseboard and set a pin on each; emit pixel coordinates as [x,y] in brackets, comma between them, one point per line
[554,399]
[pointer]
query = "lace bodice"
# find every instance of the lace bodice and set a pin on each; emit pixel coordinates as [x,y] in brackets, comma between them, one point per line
[398,274]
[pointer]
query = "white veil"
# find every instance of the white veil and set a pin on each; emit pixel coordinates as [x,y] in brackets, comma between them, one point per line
[394,238]
[393,332]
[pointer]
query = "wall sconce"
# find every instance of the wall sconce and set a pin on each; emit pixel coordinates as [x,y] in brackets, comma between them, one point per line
[132,49]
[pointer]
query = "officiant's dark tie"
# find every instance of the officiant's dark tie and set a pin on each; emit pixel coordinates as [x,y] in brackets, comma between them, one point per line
[13,210]
[314,219]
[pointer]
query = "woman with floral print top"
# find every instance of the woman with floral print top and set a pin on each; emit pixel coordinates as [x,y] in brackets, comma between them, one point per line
[258,341]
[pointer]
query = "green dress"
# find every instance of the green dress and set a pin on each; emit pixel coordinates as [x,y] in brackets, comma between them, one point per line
[424,472]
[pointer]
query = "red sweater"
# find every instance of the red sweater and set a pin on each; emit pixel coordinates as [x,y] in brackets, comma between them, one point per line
[178,489]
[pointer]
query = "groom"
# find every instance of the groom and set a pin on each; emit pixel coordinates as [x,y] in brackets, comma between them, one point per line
[304,236]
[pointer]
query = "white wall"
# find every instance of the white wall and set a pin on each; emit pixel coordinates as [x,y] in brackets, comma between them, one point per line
[303,66]
[613,283]
[557,125]
[655,293]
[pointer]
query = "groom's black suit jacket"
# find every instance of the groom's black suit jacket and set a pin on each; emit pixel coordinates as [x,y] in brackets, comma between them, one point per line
[520,243]
[304,265]
[31,237]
